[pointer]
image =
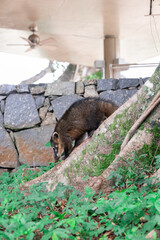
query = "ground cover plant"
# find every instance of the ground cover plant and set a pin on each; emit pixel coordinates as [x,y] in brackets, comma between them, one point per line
[130,212]
[96,75]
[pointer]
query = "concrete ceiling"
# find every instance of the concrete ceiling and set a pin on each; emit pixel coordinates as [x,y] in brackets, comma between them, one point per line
[79,28]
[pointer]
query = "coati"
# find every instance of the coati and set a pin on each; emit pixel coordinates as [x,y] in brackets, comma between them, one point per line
[84,115]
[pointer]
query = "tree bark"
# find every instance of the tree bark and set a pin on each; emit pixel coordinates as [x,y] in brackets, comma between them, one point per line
[85,159]
[39,75]
[155,101]
[68,74]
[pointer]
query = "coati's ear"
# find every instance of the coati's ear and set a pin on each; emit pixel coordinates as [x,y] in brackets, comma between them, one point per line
[54,139]
[55,136]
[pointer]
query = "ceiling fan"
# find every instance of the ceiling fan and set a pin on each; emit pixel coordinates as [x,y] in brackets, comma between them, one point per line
[33,41]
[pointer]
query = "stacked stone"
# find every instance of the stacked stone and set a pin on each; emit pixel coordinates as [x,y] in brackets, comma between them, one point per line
[28,114]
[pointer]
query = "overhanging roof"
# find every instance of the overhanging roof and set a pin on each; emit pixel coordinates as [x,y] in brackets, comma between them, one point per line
[79,28]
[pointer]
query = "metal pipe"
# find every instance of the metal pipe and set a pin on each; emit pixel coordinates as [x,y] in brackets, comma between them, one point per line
[129,65]
[133,65]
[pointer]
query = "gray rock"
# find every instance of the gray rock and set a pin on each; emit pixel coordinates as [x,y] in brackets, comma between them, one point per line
[49,119]
[145,79]
[50,109]
[141,82]
[128,94]
[79,87]
[107,84]
[118,97]
[12,136]
[2,98]
[31,146]
[39,100]
[60,88]
[61,104]
[8,153]
[37,89]
[22,88]
[88,82]
[20,112]
[43,112]
[46,101]
[128,82]
[1,119]
[51,98]
[6,89]
[2,106]
[90,91]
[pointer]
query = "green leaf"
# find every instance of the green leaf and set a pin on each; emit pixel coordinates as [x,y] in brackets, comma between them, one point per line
[6,236]
[157,205]
[71,222]
[30,236]
[147,227]
[48,144]
[61,232]
[85,178]
[58,215]
[157,219]
[54,237]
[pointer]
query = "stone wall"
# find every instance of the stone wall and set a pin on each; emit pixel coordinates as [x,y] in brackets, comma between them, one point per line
[28,114]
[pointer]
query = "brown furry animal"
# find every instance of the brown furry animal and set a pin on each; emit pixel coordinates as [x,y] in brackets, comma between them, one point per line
[85,115]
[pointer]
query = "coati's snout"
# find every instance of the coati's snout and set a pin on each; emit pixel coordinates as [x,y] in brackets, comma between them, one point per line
[57,146]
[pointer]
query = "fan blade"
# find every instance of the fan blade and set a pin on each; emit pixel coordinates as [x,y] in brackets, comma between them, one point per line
[17,44]
[49,41]
[48,47]
[27,40]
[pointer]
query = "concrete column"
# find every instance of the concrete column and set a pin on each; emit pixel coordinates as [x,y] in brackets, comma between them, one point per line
[109,53]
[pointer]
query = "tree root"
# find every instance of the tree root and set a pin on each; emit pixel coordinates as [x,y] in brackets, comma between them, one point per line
[155,101]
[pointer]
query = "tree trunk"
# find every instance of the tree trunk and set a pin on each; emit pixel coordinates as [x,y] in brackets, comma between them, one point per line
[99,155]
[38,76]
[68,74]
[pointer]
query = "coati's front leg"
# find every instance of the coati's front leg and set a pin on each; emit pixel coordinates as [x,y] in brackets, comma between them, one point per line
[67,147]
